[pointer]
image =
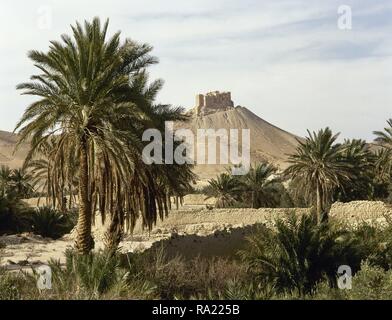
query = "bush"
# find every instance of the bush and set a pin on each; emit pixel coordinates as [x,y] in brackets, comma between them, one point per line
[371,283]
[8,289]
[300,254]
[238,290]
[182,279]
[95,274]
[376,244]
[50,223]
[13,216]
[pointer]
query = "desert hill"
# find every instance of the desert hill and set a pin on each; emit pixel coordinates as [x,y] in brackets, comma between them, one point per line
[267,142]
[8,142]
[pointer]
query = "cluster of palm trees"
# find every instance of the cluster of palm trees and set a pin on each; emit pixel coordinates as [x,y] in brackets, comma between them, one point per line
[95,101]
[321,171]
[260,187]
[15,183]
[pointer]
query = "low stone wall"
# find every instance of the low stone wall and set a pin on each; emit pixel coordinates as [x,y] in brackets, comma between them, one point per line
[197,200]
[356,212]
[204,221]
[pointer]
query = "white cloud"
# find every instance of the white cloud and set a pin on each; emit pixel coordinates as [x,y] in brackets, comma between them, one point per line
[286,60]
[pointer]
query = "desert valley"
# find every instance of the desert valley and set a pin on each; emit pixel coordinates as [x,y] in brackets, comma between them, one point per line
[106,193]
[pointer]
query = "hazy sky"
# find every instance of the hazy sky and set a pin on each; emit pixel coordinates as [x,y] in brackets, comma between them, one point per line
[286,60]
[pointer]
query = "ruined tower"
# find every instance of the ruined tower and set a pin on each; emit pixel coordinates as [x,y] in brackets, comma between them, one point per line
[213,101]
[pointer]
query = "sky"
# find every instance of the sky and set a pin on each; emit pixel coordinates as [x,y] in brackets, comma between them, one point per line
[285,60]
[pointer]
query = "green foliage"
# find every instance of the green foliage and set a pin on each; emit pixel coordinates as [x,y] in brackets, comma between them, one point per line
[375,243]
[361,162]
[95,274]
[16,183]
[51,223]
[14,215]
[261,187]
[237,289]
[182,279]
[299,254]
[8,288]
[225,188]
[371,283]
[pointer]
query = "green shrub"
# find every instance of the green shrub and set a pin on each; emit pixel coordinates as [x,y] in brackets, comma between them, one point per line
[237,289]
[299,254]
[180,278]
[376,244]
[371,283]
[13,216]
[8,288]
[94,274]
[51,223]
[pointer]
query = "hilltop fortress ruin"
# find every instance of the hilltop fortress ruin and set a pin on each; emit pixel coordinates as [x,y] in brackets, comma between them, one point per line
[212,102]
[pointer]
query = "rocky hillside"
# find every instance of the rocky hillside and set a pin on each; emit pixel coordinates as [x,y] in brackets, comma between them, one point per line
[267,142]
[7,147]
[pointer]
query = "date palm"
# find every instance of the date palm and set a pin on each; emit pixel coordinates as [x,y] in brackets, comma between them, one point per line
[384,138]
[358,155]
[22,183]
[5,180]
[94,102]
[225,188]
[262,184]
[319,168]
[384,155]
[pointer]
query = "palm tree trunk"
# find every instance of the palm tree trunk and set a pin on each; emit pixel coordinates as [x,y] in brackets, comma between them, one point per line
[113,235]
[318,204]
[84,240]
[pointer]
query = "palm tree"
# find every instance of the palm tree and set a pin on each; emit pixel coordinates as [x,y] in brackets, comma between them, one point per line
[262,185]
[5,180]
[384,155]
[22,183]
[384,138]
[383,165]
[57,181]
[225,188]
[94,104]
[319,168]
[361,159]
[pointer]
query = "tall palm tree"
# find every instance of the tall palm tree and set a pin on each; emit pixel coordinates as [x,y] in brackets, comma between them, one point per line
[94,103]
[262,184]
[319,168]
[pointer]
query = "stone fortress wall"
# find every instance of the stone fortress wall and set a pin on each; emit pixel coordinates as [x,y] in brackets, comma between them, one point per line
[212,102]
